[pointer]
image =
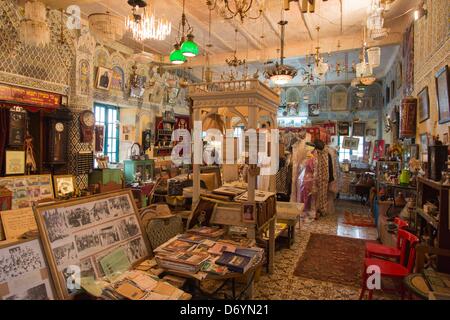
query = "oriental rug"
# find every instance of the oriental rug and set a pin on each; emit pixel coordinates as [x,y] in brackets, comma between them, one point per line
[332,258]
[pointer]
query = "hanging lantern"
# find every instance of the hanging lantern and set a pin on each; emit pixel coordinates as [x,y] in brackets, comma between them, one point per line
[176,57]
[374,56]
[105,27]
[363,69]
[33,28]
[189,48]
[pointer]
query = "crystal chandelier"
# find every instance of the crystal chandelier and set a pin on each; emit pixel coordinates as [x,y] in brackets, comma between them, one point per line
[106,27]
[33,28]
[229,9]
[234,61]
[144,26]
[375,20]
[321,67]
[281,74]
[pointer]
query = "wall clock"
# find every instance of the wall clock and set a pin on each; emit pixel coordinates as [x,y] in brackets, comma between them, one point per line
[87,125]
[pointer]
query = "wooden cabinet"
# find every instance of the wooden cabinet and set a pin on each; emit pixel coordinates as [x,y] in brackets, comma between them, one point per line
[105,180]
[143,168]
[434,229]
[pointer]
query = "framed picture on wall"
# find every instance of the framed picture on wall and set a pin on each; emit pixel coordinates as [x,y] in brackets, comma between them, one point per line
[388,95]
[344,128]
[358,129]
[313,110]
[393,93]
[14,162]
[424,105]
[104,77]
[248,212]
[442,91]
[64,185]
[424,143]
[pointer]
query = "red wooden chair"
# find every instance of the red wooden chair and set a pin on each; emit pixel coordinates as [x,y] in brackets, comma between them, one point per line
[393,270]
[379,250]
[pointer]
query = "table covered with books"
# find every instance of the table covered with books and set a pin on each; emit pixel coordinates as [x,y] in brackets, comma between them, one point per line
[207,253]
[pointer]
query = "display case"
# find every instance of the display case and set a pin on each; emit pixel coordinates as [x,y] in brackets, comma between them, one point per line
[138,170]
[105,180]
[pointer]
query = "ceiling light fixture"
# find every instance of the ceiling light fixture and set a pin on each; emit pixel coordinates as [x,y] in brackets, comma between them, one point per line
[34,29]
[230,9]
[321,67]
[375,20]
[144,26]
[234,61]
[106,27]
[186,48]
[281,74]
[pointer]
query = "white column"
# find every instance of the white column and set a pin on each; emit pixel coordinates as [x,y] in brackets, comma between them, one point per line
[196,165]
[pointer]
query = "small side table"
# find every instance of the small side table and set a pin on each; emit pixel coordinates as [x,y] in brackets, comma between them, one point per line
[290,214]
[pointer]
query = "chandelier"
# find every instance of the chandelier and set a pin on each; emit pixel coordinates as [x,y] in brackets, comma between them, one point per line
[234,61]
[144,26]
[321,67]
[185,47]
[33,28]
[106,27]
[375,20]
[229,9]
[281,74]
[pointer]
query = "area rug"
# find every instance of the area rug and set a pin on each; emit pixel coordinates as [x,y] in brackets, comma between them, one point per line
[358,219]
[333,259]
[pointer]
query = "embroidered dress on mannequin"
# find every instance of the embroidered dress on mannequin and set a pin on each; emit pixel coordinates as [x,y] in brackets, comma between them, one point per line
[322,178]
[306,189]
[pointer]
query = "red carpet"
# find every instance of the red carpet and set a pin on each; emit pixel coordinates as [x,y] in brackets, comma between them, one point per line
[333,259]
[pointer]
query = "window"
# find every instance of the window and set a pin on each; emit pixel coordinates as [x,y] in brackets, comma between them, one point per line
[346,154]
[108,116]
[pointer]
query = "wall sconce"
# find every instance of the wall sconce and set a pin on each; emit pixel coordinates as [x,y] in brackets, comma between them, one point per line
[420,11]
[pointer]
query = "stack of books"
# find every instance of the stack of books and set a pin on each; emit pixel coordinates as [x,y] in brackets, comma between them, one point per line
[189,262]
[241,260]
[208,232]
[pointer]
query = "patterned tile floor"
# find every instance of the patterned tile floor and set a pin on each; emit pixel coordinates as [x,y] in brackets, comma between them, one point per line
[282,284]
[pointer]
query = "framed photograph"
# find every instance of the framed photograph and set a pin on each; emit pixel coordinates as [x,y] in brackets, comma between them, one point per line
[248,212]
[137,90]
[29,278]
[442,91]
[104,77]
[14,162]
[64,185]
[399,75]
[424,143]
[28,190]
[423,100]
[76,235]
[313,110]
[344,128]
[350,143]
[358,129]
[378,150]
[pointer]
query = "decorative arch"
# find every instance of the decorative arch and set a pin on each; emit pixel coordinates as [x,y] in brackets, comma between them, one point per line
[307,95]
[117,59]
[101,57]
[339,98]
[324,97]
[292,95]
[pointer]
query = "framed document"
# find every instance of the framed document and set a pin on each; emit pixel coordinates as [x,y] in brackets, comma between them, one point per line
[15,162]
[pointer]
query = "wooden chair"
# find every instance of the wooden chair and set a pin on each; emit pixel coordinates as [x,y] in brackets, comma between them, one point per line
[421,255]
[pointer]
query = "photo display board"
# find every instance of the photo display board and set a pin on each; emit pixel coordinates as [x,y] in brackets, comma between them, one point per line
[77,234]
[24,274]
[28,189]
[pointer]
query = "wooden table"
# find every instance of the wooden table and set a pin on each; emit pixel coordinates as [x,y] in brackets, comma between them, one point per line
[290,213]
[230,277]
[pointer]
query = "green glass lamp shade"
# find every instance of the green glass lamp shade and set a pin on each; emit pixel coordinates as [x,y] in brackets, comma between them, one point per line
[404,177]
[189,48]
[176,57]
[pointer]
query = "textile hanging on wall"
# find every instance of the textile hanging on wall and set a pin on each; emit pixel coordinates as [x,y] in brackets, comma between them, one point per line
[4,124]
[408,58]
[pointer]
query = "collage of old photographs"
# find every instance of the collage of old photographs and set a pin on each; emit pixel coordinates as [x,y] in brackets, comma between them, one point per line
[83,233]
[28,189]
[23,273]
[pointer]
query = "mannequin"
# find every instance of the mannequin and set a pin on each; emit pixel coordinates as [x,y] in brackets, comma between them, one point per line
[299,153]
[322,176]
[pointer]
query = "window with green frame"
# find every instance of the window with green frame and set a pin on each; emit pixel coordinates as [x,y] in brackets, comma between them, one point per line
[108,116]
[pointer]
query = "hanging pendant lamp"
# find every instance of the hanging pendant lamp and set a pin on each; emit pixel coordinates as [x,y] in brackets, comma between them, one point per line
[177,57]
